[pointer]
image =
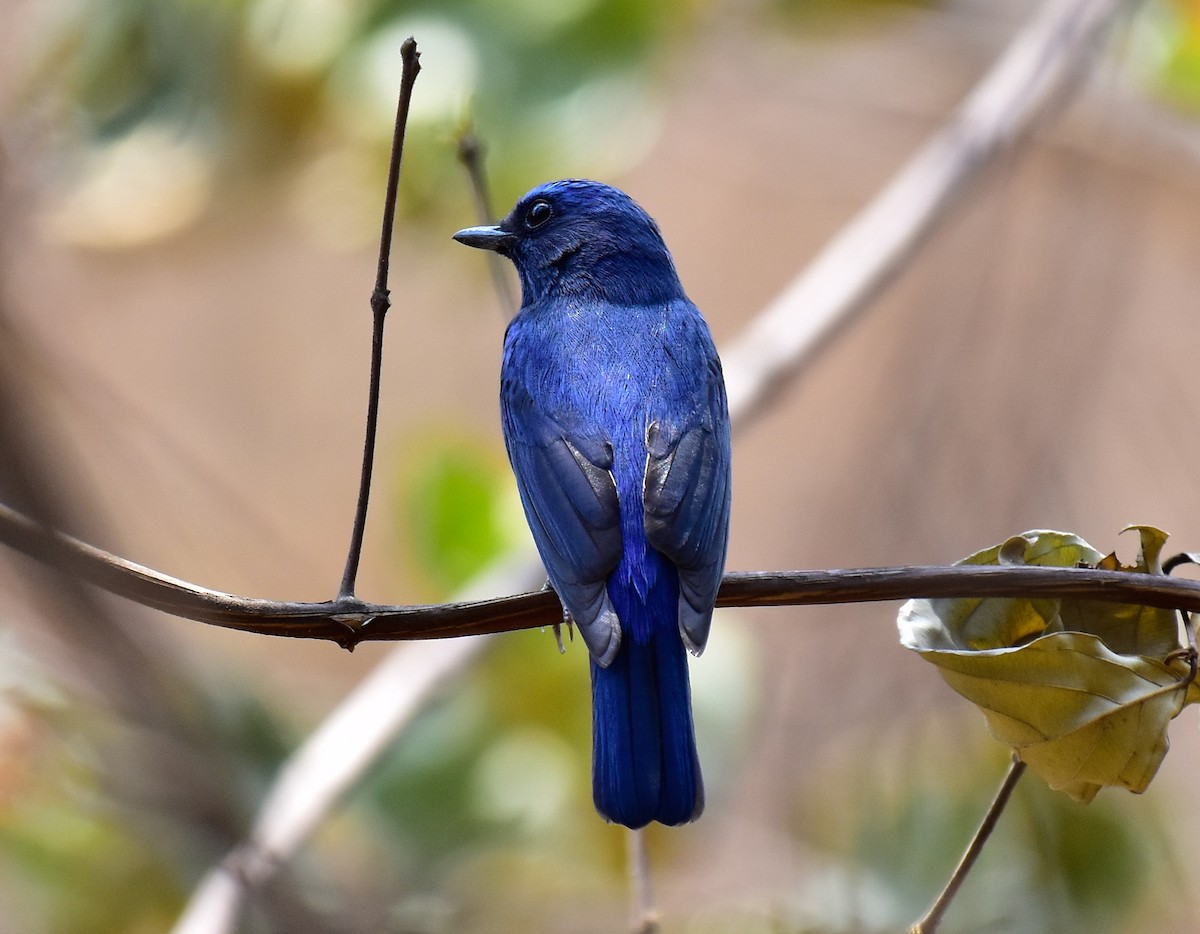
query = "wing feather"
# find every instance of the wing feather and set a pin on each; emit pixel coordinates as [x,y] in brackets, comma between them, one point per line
[687,498]
[571,502]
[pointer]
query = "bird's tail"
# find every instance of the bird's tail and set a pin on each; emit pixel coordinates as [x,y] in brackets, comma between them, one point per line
[644,762]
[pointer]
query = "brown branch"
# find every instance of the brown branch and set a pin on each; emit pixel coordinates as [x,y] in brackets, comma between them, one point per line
[350,622]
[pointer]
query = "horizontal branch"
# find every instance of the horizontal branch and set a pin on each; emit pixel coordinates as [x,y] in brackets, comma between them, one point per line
[349,622]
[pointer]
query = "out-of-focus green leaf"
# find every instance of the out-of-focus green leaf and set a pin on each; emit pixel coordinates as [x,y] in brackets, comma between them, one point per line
[1082,690]
[73,861]
[454,521]
[1168,50]
[889,811]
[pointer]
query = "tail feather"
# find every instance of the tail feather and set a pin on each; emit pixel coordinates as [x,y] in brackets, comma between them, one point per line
[644,761]
[643,747]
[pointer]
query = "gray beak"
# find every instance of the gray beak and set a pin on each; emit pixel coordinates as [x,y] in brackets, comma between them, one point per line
[485,238]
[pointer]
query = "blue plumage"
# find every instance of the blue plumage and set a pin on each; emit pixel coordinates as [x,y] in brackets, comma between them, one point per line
[617,428]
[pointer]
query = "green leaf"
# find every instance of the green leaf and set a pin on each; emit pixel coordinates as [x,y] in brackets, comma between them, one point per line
[1081,690]
[1168,49]
[454,521]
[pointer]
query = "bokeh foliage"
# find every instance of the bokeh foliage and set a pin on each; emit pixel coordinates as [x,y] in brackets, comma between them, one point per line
[887,819]
[304,90]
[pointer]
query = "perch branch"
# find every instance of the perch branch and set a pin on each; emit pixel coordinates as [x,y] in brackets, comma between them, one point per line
[350,622]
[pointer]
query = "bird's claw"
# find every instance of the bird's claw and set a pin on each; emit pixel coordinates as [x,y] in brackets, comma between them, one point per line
[558,627]
[566,621]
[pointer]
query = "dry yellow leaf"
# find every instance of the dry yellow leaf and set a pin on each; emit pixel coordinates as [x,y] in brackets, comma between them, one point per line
[1081,690]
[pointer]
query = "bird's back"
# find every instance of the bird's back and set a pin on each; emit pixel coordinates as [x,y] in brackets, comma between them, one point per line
[606,373]
[617,428]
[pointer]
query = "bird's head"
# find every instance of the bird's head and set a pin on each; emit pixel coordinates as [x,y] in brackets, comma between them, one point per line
[577,237]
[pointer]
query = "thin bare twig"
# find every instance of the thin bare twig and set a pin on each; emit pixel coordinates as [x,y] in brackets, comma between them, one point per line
[929,922]
[380,303]
[470,154]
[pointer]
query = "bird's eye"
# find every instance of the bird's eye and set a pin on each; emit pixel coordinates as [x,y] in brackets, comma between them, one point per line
[539,212]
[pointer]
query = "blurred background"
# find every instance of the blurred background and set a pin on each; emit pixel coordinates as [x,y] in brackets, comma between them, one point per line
[189,204]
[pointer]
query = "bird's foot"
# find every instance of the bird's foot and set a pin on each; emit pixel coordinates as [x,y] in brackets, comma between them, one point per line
[558,627]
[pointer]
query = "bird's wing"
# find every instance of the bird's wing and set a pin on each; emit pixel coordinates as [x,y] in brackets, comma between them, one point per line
[570,500]
[686,500]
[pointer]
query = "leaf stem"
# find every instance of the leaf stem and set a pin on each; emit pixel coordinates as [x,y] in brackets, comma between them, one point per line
[929,922]
[380,303]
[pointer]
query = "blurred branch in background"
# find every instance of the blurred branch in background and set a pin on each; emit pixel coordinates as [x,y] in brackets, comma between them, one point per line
[1035,72]
[313,780]
[471,155]
[169,765]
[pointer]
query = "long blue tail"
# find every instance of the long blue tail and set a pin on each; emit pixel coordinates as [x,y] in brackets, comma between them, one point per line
[644,762]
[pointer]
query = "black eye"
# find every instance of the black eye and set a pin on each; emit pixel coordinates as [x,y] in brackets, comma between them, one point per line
[539,212]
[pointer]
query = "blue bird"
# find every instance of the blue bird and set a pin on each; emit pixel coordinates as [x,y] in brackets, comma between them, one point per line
[617,428]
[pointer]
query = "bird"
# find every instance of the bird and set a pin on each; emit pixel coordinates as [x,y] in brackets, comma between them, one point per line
[616,425]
